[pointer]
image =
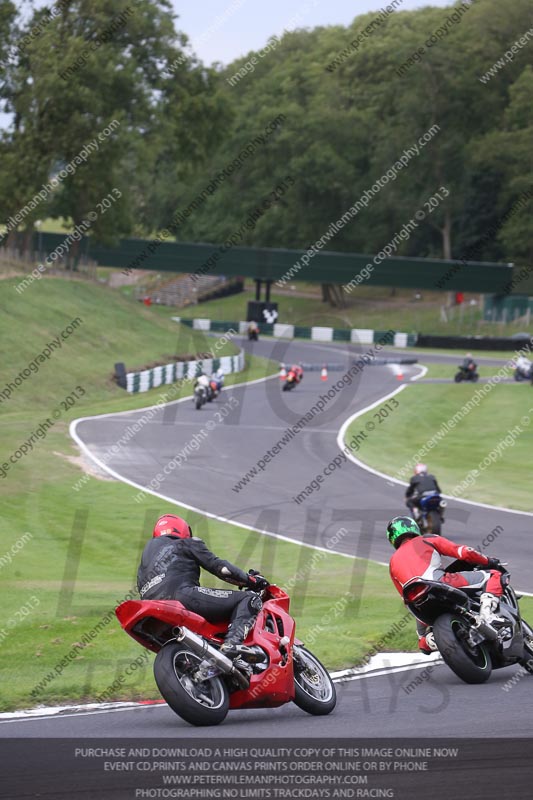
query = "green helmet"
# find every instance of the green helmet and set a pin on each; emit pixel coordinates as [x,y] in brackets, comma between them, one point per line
[399,527]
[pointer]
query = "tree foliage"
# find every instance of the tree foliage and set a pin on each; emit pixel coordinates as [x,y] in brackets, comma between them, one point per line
[90,65]
[348,114]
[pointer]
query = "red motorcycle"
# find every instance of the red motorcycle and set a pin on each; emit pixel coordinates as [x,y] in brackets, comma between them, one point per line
[294,377]
[200,684]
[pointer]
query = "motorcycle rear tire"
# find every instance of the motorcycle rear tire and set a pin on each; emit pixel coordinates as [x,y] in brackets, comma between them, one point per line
[434,523]
[312,679]
[470,667]
[171,675]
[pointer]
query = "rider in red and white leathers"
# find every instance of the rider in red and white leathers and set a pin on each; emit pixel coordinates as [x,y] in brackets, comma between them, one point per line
[427,556]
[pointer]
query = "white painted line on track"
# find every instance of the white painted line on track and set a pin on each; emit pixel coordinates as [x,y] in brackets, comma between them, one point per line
[380,664]
[389,478]
[73,433]
[79,711]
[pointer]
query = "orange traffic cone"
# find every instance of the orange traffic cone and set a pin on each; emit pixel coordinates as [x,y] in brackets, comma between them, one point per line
[399,374]
[283,373]
[324,373]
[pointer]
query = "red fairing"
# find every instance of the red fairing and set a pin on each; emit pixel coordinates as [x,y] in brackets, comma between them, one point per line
[274,686]
[170,612]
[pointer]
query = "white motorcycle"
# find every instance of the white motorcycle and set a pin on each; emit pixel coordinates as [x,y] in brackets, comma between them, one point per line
[523,369]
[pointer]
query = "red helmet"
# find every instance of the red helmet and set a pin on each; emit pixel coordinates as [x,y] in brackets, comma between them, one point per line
[170,525]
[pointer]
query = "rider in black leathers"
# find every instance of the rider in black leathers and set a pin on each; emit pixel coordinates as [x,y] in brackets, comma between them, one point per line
[469,363]
[420,482]
[170,570]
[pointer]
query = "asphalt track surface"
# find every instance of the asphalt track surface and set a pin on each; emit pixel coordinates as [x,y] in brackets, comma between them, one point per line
[429,703]
[377,705]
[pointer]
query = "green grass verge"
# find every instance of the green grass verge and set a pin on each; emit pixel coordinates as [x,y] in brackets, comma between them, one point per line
[108,329]
[504,355]
[424,408]
[449,370]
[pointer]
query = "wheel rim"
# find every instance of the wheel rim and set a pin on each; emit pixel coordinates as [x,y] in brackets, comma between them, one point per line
[208,693]
[312,678]
[477,655]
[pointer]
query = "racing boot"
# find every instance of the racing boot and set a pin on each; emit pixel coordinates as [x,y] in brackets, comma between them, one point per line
[427,643]
[233,646]
[241,624]
[489,605]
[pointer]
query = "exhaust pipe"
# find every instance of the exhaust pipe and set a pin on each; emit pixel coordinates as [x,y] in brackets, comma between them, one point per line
[487,630]
[204,650]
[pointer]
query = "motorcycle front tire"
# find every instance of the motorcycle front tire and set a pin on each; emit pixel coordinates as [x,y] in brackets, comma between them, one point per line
[458,377]
[314,690]
[474,666]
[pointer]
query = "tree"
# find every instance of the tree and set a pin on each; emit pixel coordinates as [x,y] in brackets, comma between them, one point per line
[94,78]
[509,151]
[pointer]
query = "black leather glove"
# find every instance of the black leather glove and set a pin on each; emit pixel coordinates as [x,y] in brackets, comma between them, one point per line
[495,563]
[256,581]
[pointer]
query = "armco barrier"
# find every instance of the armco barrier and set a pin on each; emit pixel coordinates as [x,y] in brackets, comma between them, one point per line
[317,334]
[363,336]
[476,342]
[179,370]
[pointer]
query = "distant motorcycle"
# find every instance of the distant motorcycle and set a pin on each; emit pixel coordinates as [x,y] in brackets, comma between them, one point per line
[470,646]
[200,396]
[431,512]
[468,373]
[253,332]
[523,369]
[294,377]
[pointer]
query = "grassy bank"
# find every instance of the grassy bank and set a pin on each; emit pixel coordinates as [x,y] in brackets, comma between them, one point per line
[424,408]
[449,371]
